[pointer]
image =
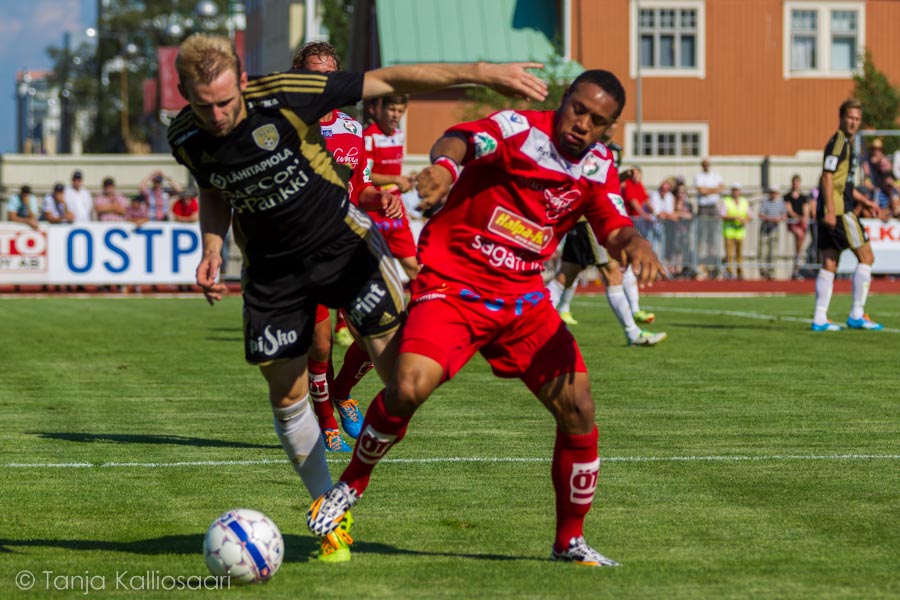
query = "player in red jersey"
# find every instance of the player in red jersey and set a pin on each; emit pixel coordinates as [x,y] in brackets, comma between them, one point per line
[529,176]
[384,143]
[343,138]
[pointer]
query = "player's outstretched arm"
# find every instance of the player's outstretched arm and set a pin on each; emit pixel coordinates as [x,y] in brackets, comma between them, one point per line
[629,247]
[215,218]
[433,183]
[510,79]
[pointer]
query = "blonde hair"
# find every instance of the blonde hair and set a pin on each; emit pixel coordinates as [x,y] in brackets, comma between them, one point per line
[202,58]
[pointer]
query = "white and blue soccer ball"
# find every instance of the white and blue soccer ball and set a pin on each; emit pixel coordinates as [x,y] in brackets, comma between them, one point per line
[243,545]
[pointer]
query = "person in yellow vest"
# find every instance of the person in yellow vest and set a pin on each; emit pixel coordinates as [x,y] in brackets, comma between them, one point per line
[735,216]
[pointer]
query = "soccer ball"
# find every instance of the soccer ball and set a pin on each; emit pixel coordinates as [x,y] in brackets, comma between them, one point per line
[244,545]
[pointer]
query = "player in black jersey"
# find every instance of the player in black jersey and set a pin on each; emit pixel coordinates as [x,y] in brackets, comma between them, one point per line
[255,147]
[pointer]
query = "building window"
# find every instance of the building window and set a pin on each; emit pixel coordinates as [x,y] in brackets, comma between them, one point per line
[824,39]
[666,139]
[667,38]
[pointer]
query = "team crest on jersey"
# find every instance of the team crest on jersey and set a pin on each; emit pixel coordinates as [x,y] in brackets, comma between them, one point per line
[519,230]
[351,127]
[558,202]
[595,168]
[484,144]
[266,137]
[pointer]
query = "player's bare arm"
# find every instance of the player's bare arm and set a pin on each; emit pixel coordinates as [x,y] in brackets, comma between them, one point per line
[434,181]
[629,247]
[510,79]
[827,186]
[390,205]
[215,218]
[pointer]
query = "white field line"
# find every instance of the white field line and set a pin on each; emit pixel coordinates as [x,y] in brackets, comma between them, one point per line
[747,315]
[459,459]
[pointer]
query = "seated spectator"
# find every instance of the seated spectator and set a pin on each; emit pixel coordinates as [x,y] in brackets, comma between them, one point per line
[158,197]
[137,212]
[24,208]
[110,204]
[55,209]
[186,209]
[79,200]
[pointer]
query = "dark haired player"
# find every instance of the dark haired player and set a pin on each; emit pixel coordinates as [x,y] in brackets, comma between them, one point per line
[528,177]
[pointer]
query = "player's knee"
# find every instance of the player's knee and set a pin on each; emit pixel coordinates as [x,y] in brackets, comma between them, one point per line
[406,393]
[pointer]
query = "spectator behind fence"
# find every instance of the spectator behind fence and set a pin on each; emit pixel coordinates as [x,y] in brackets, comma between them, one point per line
[79,199]
[186,208]
[659,205]
[110,205]
[55,209]
[799,214]
[158,197]
[735,216]
[635,194]
[24,208]
[772,212]
[137,212]
[709,186]
[682,217]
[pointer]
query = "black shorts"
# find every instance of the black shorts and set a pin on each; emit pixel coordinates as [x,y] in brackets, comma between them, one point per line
[848,233]
[581,247]
[355,272]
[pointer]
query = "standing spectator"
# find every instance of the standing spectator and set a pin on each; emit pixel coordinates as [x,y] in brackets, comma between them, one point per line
[839,227]
[682,216]
[660,206]
[798,208]
[735,216]
[55,208]
[157,196]
[709,186]
[877,181]
[186,209]
[110,205]
[79,199]
[23,208]
[384,142]
[772,211]
[137,212]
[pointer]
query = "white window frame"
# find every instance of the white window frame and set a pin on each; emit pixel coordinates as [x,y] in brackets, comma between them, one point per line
[700,128]
[635,38]
[823,9]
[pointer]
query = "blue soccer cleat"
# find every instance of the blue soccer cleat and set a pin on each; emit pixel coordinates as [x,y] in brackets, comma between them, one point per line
[827,326]
[864,323]
[351,419]
[334,442]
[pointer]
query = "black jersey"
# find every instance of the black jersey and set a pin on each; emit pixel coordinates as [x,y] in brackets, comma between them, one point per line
[287,192]
[839,159]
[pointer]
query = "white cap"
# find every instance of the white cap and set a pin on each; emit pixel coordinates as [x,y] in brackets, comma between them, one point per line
[736,186]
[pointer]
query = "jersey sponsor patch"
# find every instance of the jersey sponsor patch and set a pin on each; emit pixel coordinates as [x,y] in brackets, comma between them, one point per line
[519,230]
[831,163]
[510,123]
[266,136]
[484,143]
[619,203]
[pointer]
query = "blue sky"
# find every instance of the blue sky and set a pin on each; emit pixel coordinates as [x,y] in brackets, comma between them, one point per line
[27,28]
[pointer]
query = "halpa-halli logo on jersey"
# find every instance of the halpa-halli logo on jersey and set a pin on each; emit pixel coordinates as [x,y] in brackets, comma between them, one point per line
[266,136]
[484,144]
[270,342]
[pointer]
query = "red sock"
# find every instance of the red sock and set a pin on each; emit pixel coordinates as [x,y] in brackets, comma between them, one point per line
[575,469]
[380,431]
[318,392]
[356,365]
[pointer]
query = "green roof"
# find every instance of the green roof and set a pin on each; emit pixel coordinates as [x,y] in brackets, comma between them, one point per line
[411,31]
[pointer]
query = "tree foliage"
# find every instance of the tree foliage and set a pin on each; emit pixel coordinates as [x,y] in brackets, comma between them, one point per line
[336,17]
[880,99]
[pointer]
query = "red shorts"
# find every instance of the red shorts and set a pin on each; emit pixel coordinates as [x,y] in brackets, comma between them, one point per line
[397,234]
[520,337]
[322,313]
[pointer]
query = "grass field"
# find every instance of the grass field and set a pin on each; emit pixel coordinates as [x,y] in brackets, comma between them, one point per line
[746,457]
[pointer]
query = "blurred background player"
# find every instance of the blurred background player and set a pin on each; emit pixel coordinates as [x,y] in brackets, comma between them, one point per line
[839,227]
[343,138]
[481,288]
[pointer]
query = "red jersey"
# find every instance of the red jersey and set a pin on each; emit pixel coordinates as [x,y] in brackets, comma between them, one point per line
[632,190]
[343,138]
[386,153]
[515,199]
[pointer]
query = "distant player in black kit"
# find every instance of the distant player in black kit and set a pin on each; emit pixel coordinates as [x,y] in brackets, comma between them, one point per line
[255,147]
